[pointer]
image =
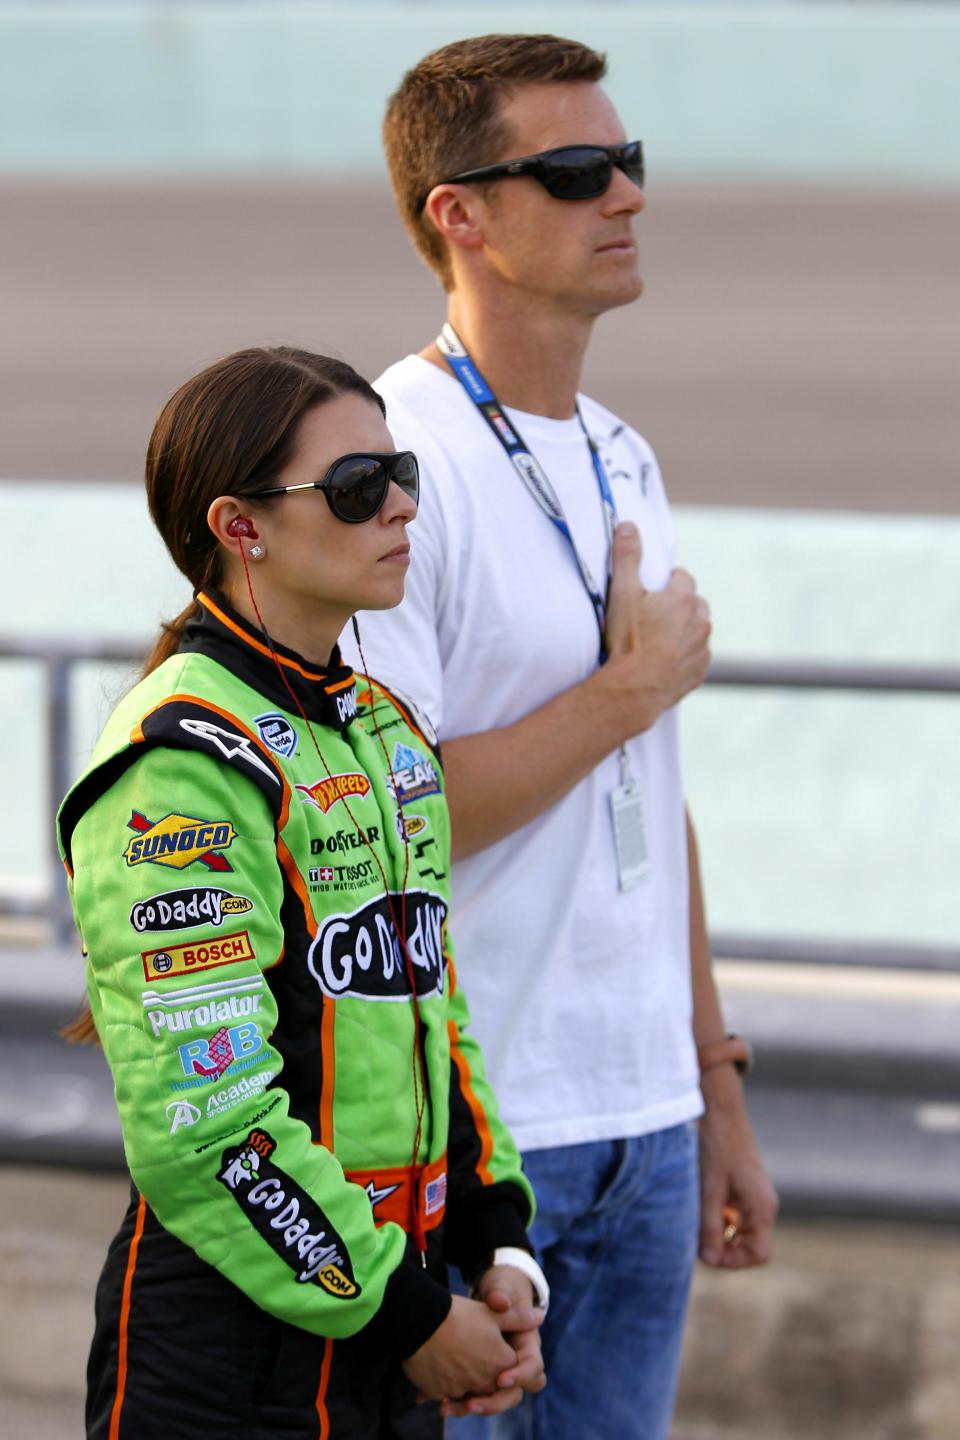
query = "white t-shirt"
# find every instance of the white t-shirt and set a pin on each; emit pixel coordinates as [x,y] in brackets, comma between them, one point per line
[580,992]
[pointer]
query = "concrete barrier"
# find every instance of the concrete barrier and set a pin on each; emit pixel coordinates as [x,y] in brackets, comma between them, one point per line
[850,1334]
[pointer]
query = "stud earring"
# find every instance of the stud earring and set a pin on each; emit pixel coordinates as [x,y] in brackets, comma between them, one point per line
[257,552]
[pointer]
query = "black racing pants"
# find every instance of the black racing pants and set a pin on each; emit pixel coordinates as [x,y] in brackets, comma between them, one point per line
[180,1353]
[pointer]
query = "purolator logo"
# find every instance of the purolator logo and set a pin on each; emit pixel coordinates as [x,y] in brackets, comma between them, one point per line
[179,840]
[324,793]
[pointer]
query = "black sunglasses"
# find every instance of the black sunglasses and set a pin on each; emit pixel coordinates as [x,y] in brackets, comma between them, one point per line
[356,485]
[574,172]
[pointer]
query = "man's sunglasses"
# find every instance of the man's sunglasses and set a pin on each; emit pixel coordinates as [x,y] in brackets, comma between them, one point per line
[574,172]
[356,485]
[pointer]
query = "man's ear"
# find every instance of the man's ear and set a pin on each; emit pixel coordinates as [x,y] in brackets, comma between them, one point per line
[455,211]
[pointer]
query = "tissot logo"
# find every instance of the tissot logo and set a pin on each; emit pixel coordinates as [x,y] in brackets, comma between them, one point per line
[359,954]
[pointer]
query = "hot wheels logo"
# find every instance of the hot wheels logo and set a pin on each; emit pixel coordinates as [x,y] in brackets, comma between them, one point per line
[325,793]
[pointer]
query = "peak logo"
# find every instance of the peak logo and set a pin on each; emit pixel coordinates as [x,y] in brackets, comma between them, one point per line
[286,1217]
[325,793]
[414,775]
[179,841]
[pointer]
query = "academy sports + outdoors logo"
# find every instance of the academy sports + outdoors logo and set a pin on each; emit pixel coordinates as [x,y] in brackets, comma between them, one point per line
[179,840]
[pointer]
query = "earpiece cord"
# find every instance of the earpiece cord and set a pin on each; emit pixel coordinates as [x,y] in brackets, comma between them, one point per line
[419,1081]
[417,1056]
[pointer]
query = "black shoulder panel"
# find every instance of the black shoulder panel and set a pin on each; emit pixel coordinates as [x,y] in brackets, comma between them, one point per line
[181,724]
[188,723]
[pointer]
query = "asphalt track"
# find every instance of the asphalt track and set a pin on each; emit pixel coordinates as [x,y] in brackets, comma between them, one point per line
[795,347]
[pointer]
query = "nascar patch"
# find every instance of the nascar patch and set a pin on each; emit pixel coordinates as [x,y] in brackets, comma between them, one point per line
[179,841]
[197,956]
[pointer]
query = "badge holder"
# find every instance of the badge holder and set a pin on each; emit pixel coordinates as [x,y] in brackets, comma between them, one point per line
[629,827]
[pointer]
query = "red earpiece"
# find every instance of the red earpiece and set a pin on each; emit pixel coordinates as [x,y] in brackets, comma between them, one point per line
[242,526]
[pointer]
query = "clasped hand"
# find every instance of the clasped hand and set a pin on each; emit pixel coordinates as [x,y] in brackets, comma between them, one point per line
[487,1351]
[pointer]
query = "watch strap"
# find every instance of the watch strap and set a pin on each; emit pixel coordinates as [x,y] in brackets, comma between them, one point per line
[523,1261]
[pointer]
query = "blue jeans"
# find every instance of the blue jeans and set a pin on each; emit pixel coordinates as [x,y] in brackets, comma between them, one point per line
[616,1234]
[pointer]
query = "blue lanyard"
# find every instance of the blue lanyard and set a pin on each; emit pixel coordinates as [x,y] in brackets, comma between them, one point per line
[529,468]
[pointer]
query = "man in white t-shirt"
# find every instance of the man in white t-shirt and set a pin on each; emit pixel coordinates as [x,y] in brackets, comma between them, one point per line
[577,921]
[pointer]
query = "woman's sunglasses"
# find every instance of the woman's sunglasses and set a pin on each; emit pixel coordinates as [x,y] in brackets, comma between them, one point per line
[356,485]
[574,172]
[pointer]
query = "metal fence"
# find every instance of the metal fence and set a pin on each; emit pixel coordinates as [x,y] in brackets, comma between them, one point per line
[58,659]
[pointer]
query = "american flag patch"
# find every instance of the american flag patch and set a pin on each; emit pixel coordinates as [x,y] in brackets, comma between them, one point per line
[435,1195]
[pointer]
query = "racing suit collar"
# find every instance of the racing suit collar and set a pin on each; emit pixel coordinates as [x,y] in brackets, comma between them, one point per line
[327,693]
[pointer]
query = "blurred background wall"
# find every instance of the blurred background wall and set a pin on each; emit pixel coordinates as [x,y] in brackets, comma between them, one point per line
[177,180]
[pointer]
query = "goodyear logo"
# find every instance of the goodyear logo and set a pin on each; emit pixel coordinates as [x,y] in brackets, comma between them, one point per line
[196,957]
[179,841]
[325,793]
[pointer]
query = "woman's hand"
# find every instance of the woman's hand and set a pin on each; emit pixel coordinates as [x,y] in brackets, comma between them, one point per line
[509,1296]
[464,1356]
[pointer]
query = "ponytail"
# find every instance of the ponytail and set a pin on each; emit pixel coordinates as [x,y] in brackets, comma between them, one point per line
[168,641]
[81,1030]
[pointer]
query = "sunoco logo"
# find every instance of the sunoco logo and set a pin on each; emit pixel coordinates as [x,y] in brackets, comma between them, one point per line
[179,840]
[327,792]
[359,954]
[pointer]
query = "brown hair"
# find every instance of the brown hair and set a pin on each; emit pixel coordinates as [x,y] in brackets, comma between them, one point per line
[446,116]
[229,431]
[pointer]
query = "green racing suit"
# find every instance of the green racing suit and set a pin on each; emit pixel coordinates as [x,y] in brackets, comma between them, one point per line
[227,865]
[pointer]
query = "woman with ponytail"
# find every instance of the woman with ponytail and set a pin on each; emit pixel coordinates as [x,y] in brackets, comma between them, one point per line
[309,1133]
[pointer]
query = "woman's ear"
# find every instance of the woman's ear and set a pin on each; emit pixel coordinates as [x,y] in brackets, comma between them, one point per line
[229,525]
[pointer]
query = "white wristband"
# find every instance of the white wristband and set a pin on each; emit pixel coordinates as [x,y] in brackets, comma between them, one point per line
[523,1261]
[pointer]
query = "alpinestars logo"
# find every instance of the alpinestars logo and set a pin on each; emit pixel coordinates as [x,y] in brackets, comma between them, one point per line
[231,745]
[290,1221]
